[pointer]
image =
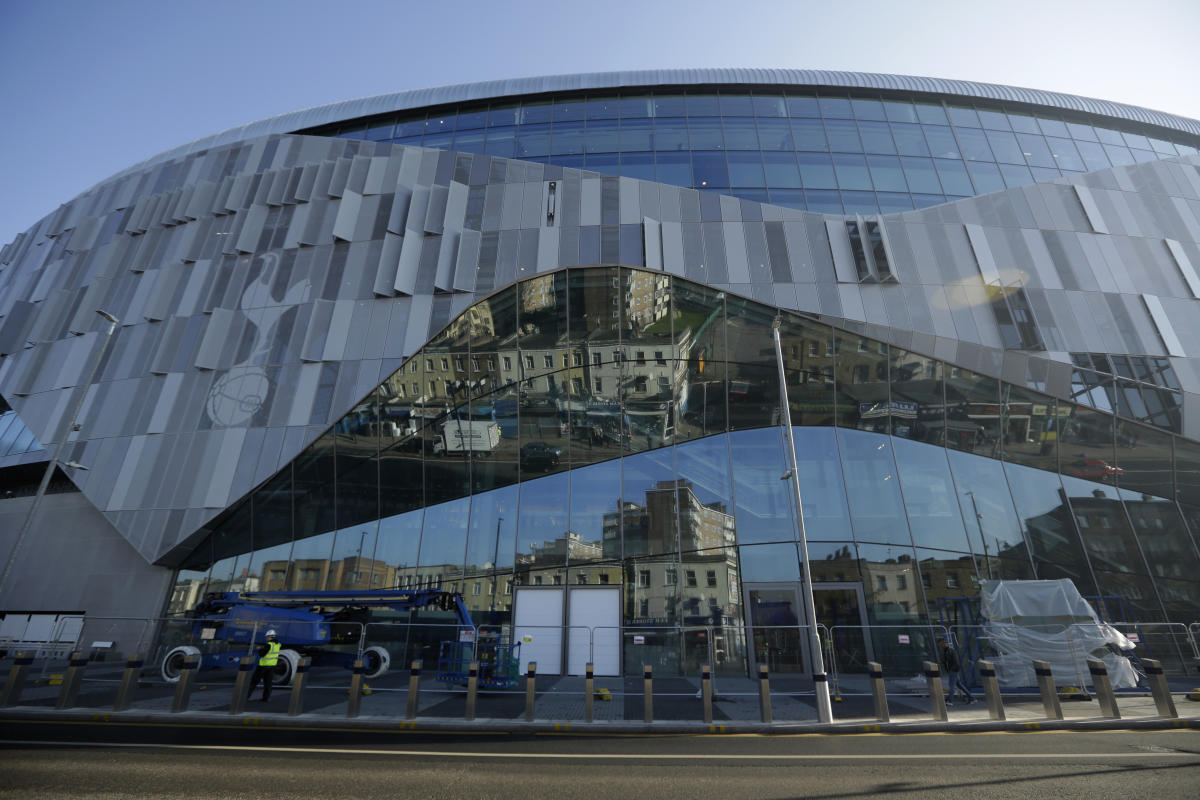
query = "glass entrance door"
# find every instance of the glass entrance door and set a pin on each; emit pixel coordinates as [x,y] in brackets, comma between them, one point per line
[775,618]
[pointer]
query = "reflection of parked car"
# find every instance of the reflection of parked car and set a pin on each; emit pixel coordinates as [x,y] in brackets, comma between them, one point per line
[1094,469]
[539,455]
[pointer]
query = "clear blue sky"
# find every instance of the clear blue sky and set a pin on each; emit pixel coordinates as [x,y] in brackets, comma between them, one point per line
[88,87]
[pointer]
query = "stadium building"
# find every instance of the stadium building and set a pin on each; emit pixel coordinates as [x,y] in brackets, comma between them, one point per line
[515,339]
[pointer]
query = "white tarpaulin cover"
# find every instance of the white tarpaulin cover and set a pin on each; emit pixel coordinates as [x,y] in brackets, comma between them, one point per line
[1049,621]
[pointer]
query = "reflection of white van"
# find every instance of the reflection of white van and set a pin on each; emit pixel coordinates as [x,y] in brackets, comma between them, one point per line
[459,436]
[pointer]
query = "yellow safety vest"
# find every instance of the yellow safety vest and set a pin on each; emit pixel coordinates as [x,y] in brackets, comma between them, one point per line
[272,656]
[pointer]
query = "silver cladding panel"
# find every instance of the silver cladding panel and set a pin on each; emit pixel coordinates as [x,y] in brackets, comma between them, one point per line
[266,286]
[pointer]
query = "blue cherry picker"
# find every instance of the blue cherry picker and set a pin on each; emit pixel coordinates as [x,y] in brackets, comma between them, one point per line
[328,627]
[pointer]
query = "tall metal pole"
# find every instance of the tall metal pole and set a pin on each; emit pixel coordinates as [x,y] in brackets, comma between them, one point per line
[63,433]
[820,680]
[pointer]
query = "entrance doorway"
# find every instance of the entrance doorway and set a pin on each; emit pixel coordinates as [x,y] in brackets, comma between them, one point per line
[780,639]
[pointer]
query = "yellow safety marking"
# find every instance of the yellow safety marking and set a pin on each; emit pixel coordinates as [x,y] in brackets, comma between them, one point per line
[562,726]
[1033,726]
[871,728]
[716,728]
[251,720]
[100,717]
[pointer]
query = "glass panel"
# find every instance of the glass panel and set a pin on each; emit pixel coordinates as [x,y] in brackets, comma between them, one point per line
[781,170]
[752,368]
[1031,427]
[1100,517]
[972,412]
[770,563]
[871,487]
[699,329]
[852,171]
[824,496]
[929,496]
[1049,527]
[444,541]
[954,177]
[309,568]
[886,173]
[992,524]
[764,503]
[862,383]
[316,495]
[1087,446]
[1143,458]
[709,169]
[921,176]
[648,512]
[746,169]
[396,551]
[918,408]
[963,116]
[1187,471]
[941,141]
[946,578]
[809,134]
[352,567]
[816,171]
[843,136]
[910,141]
[808,364]
[740,133]
[892,587]
[775,134]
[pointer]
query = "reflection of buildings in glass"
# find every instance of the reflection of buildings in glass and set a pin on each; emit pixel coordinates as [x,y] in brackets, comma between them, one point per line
[889,585]
[319,574]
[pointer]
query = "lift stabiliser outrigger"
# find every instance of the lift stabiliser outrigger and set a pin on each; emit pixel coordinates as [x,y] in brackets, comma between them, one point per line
[313,624]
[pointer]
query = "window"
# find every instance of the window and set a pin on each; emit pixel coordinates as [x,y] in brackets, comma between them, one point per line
[581,578]
[548,360]
[672,576]
[508,587]
[537,580]
[644,578]
[691,577]
[429,364]
[644,607]
[566,360]
[475,364]
[658,357]
[507,363]
[577,359]
[476,588]
[616,356]
[952,580]
[711,577]
[413,367]
[529,362]
[599,384]
[558,580]
[881,583]
[641,356]
[445,365]
[901,582]
[596,357]
[603,578]
[458,364]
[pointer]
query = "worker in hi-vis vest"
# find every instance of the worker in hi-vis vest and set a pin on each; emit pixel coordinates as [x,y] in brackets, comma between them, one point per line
[268,657]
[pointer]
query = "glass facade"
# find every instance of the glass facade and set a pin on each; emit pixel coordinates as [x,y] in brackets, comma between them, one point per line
[612,426]
[827,152]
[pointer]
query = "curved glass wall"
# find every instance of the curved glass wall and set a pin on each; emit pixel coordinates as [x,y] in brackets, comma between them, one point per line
[826,152]
[612,426]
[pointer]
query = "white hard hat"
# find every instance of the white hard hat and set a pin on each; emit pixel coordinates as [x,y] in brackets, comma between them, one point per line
[271,632]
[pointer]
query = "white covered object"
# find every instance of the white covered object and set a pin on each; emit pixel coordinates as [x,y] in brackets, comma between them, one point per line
[1049,621]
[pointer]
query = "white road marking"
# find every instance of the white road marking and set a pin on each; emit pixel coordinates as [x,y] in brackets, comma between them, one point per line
[606,756]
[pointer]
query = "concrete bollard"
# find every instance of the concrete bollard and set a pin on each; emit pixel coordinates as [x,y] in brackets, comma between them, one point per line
[241,684]
[764,693]
[878,691]
[648,692]
[70,685]
[1103,687]
[1049,693]
[187,679]
[937,694]
[296,701]
[16,679]
[356,680]
[706,692]
[133,666]
[1158,687]
[991,689]
[414,689]
[589,693]
[472,690]
[530,690]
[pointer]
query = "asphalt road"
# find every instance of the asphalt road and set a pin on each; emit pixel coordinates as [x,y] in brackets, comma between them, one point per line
[107,761]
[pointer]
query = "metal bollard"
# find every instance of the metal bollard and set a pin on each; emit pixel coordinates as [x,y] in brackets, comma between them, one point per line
[133,666]
[991,689]
[937,694]
[71,681]
[241,685]
[1158,687]
[183,689]
[1049,692]
[878,691]
[472,690]
[414,690]
[1103,687]
[648,692]
[16,679]
[355,689]
[706,692]
[296,701]
[530,690]
[764,693]
[589,693]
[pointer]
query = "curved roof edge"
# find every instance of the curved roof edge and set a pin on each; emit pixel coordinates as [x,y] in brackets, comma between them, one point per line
[418,98]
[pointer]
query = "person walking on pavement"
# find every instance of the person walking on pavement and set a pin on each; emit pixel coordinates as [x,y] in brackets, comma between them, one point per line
[952,666]
[268,657]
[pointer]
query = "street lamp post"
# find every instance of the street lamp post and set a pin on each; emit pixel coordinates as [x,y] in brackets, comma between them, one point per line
[820,679]
[64,432]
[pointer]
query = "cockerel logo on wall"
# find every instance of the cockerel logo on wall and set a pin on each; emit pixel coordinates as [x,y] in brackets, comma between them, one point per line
[244,389]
